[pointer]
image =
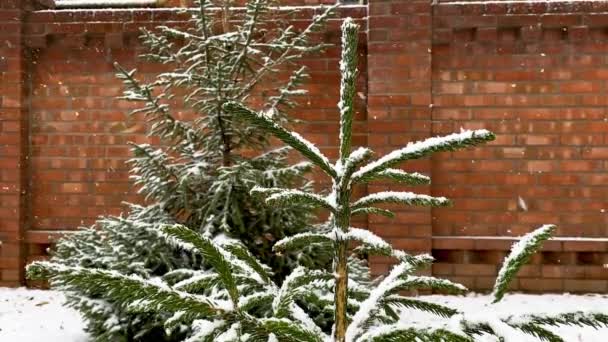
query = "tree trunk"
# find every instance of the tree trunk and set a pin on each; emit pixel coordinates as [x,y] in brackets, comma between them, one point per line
[341,295]
[342,222]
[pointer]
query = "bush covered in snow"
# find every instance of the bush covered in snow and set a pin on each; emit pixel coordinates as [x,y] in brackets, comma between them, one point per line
[237,300]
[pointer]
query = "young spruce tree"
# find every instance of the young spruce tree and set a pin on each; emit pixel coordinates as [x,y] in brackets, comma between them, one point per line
[202,173]
[236,299]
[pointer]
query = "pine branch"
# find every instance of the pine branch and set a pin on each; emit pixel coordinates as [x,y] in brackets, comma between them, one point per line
[165,125]
[519,256]
[424,282]
[406,198]
[242,253]
[278,195]
[299,277]
[299,43]
[188,239]
[401,176]
[422,149]
[197,284]
[595,320]
[292,139]
[539,332]
[300,241]
[126,289]
[256,301]
[288,331]
[437,309]
[352,162]
[372,211]
[370,241]
[402,332]
[205,331]
[372,304]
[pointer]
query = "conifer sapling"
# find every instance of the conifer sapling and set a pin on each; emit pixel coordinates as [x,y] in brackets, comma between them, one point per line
[241,303]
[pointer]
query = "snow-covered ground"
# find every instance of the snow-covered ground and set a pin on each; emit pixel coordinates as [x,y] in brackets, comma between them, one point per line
[518,304]
[34,315]
[37,316]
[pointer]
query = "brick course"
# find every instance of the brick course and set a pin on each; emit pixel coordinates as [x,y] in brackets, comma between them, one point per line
[533,72]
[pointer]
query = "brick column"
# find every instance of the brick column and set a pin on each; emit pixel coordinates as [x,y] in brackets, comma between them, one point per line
[399,107]
[13,142]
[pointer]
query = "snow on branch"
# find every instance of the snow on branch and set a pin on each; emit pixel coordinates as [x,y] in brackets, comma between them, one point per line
[375,245]
[424,148]
[520,254]
[299,241]
[220,259]
[407,198]
[354,160]
[127,289]
[372,211]
[425,282]
[283,304]
[370,240]
[405,302]
[279,195]
[371,304]
[286,330]
[292,139]
[407,332]
[401,176]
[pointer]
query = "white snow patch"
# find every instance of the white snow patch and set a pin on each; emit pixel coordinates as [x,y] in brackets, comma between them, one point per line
[38,315]
[28,315]
[476,305]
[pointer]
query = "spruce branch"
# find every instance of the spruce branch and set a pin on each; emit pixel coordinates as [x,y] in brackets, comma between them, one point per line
[290,47]
[126,289]
[422,149]
[278,195]
[539,332]
[371,305]
[520,254]
[401,176]
[402,332]
[164,124]
[352,162]
[242,253]
[199,283]
[300,241]
[299,277]
[288,331]
[595,320]
[436,309]
[290,138]
[372,243]
[406,198]
[188,239]
[372,211]
[411,282]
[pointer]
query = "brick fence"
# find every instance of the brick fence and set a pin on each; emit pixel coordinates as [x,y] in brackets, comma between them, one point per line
[535,73]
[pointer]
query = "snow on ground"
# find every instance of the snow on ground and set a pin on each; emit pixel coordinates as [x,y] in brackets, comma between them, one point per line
[37,315]
[518,304]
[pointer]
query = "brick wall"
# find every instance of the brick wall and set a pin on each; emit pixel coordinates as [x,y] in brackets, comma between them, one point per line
[399,98]
[14,118]
[533,72]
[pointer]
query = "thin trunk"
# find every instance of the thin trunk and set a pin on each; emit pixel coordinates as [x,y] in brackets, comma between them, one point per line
[341,291]
[342,222]
[227,148]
